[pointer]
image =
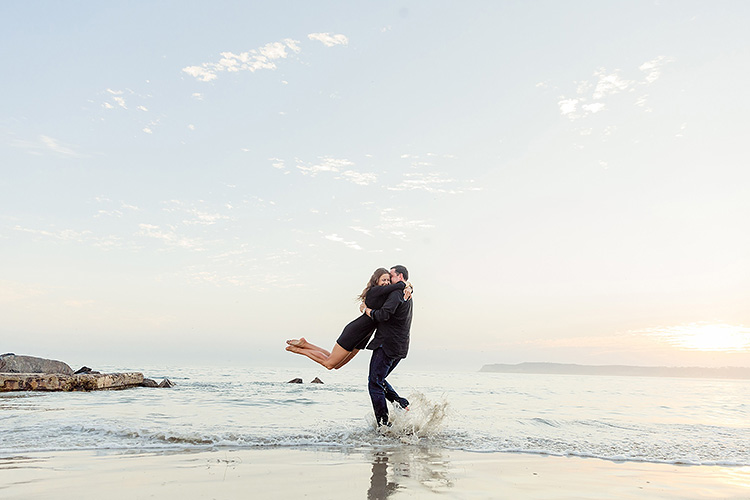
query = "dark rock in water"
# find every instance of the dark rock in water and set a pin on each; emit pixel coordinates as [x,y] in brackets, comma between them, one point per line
[316,380]
[147,382]
[166,383]
[10,363]
[86,369]
[295,381]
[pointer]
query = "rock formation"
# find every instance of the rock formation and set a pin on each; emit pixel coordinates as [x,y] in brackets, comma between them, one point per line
[85,369]
[295,381]
[11,363]
[28,373]
[60,382]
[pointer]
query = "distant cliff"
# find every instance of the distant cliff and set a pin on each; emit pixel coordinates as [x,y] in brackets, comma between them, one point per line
[621,370]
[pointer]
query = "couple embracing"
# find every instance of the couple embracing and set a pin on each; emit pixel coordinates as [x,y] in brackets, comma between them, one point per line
[386,309]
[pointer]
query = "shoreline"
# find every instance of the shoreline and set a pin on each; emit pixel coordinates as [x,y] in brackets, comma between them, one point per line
[400,472]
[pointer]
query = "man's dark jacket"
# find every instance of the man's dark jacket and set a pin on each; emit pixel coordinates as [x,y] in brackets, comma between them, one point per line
[393,322]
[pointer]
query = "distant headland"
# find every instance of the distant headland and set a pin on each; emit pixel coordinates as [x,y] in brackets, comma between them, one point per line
[621,370]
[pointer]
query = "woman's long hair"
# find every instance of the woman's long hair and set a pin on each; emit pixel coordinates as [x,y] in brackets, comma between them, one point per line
[373,282]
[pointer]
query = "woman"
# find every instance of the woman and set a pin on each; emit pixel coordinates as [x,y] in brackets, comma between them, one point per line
[357,333]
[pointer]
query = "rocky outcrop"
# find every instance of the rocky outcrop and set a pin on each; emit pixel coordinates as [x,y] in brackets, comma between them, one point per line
[85,369]
[60,382]
[148,382]
[11,363]
[28,373]
[316,380]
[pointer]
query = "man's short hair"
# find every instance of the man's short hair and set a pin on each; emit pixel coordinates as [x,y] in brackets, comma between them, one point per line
[401,270]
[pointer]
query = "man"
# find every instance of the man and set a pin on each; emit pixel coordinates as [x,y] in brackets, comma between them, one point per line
[389,346]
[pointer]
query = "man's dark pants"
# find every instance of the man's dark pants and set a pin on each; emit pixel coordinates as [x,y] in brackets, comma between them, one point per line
[380,390]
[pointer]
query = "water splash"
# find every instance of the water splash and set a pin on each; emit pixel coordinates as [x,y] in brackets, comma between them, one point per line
[423,419]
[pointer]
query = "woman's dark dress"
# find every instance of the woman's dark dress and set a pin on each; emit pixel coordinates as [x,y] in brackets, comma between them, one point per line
[357,333]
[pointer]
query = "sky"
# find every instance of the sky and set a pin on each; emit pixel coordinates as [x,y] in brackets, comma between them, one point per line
[193,182]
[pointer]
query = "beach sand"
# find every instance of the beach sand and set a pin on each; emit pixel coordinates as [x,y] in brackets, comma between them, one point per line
[407,472]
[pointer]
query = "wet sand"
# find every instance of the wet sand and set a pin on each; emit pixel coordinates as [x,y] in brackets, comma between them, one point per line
[408,472]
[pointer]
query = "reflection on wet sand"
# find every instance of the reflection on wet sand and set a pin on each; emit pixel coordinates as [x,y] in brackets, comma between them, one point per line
[427,467]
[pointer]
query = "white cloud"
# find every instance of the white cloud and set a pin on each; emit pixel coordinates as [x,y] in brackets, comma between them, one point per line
[120,102]
[361,178]
[197,216]
[71,235]
[591,97]
[568,106]
[432,182]
[45,144]
[253,60]
[326,164]
[396,224]
[148,130]
[121,99]
[361,230]
[203,74]
[114,212]
[653,67]
[55,146]
[594,107]
[583,87]
[350,244]
[204,218]
[328,39]
[168,237]
[609,84]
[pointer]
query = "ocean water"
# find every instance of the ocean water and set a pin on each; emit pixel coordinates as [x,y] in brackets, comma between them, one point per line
[668,420]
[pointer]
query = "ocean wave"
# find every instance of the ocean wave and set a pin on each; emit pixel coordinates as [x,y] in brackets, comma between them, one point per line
[213,413]
[367,436]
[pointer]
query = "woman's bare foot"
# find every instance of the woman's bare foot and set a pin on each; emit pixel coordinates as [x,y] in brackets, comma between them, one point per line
[301,342]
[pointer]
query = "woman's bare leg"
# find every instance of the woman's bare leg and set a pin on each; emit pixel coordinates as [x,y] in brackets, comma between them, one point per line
[316,356]
[347,358]
[338,358]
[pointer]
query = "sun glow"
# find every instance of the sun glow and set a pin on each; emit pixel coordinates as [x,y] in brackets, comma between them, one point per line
[706,337]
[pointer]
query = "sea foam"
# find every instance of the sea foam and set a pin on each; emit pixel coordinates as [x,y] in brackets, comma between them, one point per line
[422,419]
